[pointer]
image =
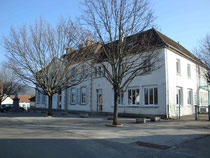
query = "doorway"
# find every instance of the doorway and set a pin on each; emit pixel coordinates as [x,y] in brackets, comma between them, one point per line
[99,99]
[178,100]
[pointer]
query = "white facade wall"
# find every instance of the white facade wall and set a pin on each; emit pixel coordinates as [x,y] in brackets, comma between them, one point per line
[175,80]
[165,79]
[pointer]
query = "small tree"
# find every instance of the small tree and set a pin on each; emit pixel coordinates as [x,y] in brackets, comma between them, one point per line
[8,84]
[37,54]
[203,53]
[122,56]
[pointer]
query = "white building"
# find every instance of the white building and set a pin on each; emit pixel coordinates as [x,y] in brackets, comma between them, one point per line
[170,91]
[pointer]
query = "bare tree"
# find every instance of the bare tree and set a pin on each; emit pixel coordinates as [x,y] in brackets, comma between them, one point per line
[124,50]
[8,84]
[203,53]
[37,54]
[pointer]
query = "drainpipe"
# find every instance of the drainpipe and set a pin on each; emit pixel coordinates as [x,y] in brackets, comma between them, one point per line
[91,91]
[167,84]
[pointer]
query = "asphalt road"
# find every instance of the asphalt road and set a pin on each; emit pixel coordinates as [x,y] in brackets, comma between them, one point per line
[25,136]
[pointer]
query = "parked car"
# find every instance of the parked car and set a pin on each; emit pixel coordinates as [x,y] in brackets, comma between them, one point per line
[5,107]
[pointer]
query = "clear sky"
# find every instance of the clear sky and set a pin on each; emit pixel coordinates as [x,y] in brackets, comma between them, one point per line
[186,21]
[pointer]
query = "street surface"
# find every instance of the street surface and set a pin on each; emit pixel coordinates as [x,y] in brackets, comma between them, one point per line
[33,135]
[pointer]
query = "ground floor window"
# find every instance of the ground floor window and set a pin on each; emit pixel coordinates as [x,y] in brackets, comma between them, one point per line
[38,97]
[73,96]
[150,96]
[83,95]
[189,96]
[133,96]
[178,96]
[120,100]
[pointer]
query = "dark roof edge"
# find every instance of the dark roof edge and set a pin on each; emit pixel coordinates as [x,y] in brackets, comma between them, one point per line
[197,61]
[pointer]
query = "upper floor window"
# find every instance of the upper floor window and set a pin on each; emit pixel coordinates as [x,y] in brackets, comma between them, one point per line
[178,66]
[83,95]
[150,96]
[188,71]
[99,71]
[147,67]
[133,96]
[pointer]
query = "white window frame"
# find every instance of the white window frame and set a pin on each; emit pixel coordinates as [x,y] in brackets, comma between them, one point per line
[135,89]
[153,96]
[188,70]
[73,92]
[121,99]
[81,95]
[178,66]
[180,96]
[189,96]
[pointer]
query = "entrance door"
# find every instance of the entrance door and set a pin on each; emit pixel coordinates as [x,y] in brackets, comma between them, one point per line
[178,100]
[99,99]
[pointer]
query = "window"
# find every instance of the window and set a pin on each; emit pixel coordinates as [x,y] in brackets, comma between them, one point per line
[99,71]
[43,99]
[178,66]
[150,96]
[178,96]
[147,67]
[188,70]
[38,97]
[189,97]
[84,71]
[73,96]
[133,96]
[83,95]
[120,101]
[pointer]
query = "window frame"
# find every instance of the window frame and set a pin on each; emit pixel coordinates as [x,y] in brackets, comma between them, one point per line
[191,97]
[81,95]
[178,66]
[155,102]
[134,89]
[121,98]
[71,97]
[180,96]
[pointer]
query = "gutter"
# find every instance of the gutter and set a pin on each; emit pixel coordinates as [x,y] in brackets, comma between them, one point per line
[168,45]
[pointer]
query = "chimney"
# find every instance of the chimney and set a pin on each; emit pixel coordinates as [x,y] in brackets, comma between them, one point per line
[80,46]
[89,42]
[69,50]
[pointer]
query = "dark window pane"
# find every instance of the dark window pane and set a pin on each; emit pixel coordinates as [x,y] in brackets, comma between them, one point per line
[156,95]
[151,95]
[134,96]
[129,97]
[146,96]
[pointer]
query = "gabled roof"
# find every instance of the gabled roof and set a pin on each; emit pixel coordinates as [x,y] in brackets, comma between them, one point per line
[176,46]
[155,40]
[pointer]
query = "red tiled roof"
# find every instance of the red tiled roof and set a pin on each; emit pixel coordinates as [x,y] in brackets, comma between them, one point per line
[24,98]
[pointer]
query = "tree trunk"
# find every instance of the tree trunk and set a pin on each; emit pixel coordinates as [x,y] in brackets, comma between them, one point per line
[115,115]
[50,106]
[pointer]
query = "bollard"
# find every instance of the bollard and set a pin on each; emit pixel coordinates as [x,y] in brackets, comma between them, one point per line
[196,112]
[209,112]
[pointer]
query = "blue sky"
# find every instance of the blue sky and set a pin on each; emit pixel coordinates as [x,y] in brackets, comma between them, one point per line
[186,21]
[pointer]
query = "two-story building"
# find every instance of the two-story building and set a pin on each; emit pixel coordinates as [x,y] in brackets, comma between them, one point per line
[170,91]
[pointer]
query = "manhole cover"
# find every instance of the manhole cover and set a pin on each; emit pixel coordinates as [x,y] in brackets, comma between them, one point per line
[149,145]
